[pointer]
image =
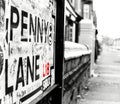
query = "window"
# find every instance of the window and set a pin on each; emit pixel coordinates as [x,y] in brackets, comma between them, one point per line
[68,29]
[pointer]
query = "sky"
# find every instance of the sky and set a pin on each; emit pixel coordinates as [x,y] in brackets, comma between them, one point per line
[108,17]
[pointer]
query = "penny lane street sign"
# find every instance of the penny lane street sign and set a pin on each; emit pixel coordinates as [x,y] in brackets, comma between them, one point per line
[26,49]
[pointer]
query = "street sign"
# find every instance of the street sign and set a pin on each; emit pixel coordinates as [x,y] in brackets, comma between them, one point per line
[26,49]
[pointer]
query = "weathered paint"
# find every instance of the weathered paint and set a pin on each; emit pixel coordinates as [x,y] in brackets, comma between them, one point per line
[27,29]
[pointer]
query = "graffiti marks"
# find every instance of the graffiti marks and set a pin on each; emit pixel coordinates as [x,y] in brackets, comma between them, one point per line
[21,94]
[46,83]
[31,73]
[2,14]
[17,49]
[12,68]
[27,53]
[1,60]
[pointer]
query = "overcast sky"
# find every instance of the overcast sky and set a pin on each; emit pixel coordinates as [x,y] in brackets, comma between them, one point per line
[108,17]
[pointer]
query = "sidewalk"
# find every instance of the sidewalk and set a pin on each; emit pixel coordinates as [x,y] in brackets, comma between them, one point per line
[105,88]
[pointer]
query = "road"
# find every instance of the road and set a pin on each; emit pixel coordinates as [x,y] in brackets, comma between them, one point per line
[105,88]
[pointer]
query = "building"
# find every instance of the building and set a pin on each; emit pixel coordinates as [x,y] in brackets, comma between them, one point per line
[72,18]
[77,53]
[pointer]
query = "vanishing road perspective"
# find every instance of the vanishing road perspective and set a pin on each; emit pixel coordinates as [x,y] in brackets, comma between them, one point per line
[104,87]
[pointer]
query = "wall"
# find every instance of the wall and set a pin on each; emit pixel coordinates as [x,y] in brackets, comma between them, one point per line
[77,71]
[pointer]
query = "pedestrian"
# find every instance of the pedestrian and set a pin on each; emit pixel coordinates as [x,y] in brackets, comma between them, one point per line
[97,47]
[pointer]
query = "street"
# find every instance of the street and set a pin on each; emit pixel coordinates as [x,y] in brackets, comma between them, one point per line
[104,88]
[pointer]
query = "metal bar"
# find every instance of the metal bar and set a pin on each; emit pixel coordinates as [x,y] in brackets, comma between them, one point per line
[59,51]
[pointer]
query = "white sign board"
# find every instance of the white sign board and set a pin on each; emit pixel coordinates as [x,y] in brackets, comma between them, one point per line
[27,29]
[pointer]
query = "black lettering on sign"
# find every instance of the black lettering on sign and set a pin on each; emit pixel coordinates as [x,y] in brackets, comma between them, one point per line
[30,69]
[20,69]
[36,67]
[50,35]
[37,28]
[7,30]
[23,25]
[46,29]
[13,24]
[39,31]
[7,89]
[33,26]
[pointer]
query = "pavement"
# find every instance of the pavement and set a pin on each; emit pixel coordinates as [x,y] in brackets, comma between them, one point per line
[104,88]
